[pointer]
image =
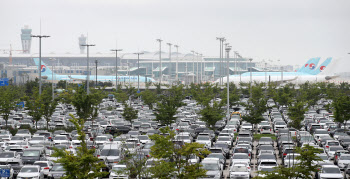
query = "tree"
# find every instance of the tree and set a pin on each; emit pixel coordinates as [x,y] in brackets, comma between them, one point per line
[233,95]
[8,102]
[304,169]
[149,98]
[86,105]
[296,112]
[256,105]
[212,114]
[173,159]
[61,84]
[166,109]
[48,105]
[129,113]
[341,106]
[84,164]
[121,96]
[35,106]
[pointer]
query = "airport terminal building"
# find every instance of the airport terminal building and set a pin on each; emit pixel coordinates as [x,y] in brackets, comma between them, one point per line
[185,67]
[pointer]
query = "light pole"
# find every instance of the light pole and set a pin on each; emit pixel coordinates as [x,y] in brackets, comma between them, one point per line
[197,67]
[53,90]
[88,69]
[265,74]
[228,48]
[116,67]
[193,52]
[177,62]
[170,65]
[250,76]
[40,37]
[201,58]
[138,70]
[221,39]
[160,60]
[96,73]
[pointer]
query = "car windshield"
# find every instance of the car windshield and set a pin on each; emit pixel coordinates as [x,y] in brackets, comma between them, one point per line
[109,152]
[216,155]
[203,138]
[182,137]
[331,170]
[346,140]
[264,147]
[321,132]
[31,153]
[336,148]
[222,145]
[41,164]
[210,166]
[333,143]
[7,155]
[148,146]
[29,170]
[101,138]
[267,157]
[17,138]
[239,169]
[241,150]
[57,168]
[38,138]
[268,163]
[268,169]
[60,138]
[223,139]
[323,157]
[240,157]
[345,157]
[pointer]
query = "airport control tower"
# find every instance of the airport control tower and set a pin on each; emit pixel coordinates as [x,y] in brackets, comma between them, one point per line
[82,41]
[26,38]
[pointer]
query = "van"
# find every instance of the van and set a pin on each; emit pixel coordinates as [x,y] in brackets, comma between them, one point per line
[32,155]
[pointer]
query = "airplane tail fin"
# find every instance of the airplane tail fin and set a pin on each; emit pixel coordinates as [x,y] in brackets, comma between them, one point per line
[305,65]
[322,67]
[312,65]
[45,71]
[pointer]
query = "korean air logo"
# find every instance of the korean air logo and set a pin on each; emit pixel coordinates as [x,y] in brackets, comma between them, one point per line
[322,68]
[312,66]
[43,68]
[306,65]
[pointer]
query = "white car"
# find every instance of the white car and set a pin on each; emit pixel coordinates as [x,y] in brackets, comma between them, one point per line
[37,140]
[330,171]
[240,170]
[203,139]
[45,166]
[30,171]
[117,172]
[60,139]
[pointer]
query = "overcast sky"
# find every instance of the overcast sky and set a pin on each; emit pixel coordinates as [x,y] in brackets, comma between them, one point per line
[289,30]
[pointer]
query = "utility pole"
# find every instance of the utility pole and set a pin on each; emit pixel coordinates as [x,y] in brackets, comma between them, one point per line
[138,70]
[116,67]
[88,69]
[193,52]
[201,58]
[40,67]
[53,89]
[228,49]
[177,63]
[265,74]
[170,65]
[160,60]
[96,73]
[221,39]
[197,68]
[250,76]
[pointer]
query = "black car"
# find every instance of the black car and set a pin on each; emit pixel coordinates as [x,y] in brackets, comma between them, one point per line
[117,129]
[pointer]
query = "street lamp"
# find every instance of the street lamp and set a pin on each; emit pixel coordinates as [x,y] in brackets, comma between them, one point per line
[228,49]
[53,91]
[116,67]
[221,39]
[88,69]
[160,60]
[40,37]
[193,65]
[201,58]
[250,76]
[138,70]
[197,67]
[177,62]
[170,65]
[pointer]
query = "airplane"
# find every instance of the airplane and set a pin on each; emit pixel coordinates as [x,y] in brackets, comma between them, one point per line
[47,74]
[308,73]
